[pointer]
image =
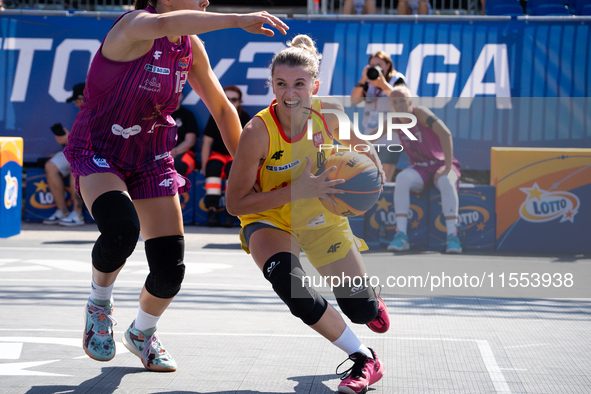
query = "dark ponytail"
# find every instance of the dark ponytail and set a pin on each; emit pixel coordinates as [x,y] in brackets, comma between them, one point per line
[141,4]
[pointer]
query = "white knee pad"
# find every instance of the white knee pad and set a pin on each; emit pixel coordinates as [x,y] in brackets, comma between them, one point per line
[408,180]
[449,194]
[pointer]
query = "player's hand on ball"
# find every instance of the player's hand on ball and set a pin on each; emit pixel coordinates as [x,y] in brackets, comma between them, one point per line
[373,155]
[311,186]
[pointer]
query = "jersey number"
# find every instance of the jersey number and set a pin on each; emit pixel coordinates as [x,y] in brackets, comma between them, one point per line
[181,79]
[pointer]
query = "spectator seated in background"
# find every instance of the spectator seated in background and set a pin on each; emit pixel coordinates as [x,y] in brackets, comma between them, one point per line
[57,168]
[352,7]
[414,7]
[187,132]
[217,161]
[431,163]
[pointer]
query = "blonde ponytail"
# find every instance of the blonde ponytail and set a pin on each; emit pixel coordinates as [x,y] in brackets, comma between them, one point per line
[301,51]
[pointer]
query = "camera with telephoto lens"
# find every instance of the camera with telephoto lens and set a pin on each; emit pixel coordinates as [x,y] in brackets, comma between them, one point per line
[374,72]
[58,129]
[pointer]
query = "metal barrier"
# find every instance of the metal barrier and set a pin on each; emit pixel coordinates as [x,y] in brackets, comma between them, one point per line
[388,7]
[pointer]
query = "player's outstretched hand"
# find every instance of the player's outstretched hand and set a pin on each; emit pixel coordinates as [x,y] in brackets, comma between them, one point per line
[253,23]
[311,186]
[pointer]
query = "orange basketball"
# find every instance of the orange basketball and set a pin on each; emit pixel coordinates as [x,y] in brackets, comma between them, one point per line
[362,183]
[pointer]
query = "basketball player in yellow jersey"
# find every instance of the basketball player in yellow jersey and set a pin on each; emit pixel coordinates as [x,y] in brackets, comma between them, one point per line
[275,151]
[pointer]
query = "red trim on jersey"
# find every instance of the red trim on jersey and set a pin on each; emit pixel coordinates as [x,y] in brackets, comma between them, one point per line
[325,125]
[297,138]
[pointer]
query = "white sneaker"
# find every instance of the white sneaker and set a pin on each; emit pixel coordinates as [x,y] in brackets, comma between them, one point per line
[55,218]
[73,219]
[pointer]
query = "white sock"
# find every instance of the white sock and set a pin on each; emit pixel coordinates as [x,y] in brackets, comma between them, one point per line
[450,224]
[144,320]
[99,293]
[401,223]
[349,343]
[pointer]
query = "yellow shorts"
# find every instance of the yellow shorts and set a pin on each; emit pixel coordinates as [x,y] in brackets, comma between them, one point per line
[322,246]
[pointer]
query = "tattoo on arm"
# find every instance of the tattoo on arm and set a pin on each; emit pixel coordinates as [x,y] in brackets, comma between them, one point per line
[430,120]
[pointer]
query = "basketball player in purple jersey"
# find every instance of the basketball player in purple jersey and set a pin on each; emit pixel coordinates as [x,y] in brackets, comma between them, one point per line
[432,162]
[119,151]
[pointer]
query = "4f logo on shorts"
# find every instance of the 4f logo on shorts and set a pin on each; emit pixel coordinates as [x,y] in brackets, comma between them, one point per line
[334,248]
[101,162]
[166,183]
[277,155]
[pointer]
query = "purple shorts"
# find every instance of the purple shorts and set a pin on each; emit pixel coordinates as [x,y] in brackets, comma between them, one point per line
[159,180]
[428,172]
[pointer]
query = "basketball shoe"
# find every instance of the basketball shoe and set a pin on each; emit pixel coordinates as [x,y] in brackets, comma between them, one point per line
[364,372]
[453,244]
[399,243]
[56,217]
[147,346]
[98,340]
[381,323]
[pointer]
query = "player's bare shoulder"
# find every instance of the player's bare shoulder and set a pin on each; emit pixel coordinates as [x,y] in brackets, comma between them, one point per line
[255,138]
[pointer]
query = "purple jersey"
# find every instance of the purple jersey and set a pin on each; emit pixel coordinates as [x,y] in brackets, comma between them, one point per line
[426,151]
[126,115]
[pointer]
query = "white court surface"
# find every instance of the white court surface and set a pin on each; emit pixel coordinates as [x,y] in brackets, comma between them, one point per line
[230,333]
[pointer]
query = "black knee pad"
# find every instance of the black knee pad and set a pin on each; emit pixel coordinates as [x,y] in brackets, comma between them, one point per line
[119,225]
[358,303]
[167,268]
[285,273]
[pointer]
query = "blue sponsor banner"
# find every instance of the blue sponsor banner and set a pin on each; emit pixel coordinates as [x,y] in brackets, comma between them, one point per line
[476,214]
[43,57]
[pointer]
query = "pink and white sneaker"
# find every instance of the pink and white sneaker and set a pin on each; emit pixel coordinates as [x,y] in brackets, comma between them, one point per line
[381,323]
[364,372]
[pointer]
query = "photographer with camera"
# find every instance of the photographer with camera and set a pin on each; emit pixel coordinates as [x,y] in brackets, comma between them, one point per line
[57,168]
[375,77]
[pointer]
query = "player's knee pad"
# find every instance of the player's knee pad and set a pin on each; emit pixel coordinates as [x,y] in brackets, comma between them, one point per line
[167,269]
[285,273]
[119,225]
[358,303]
